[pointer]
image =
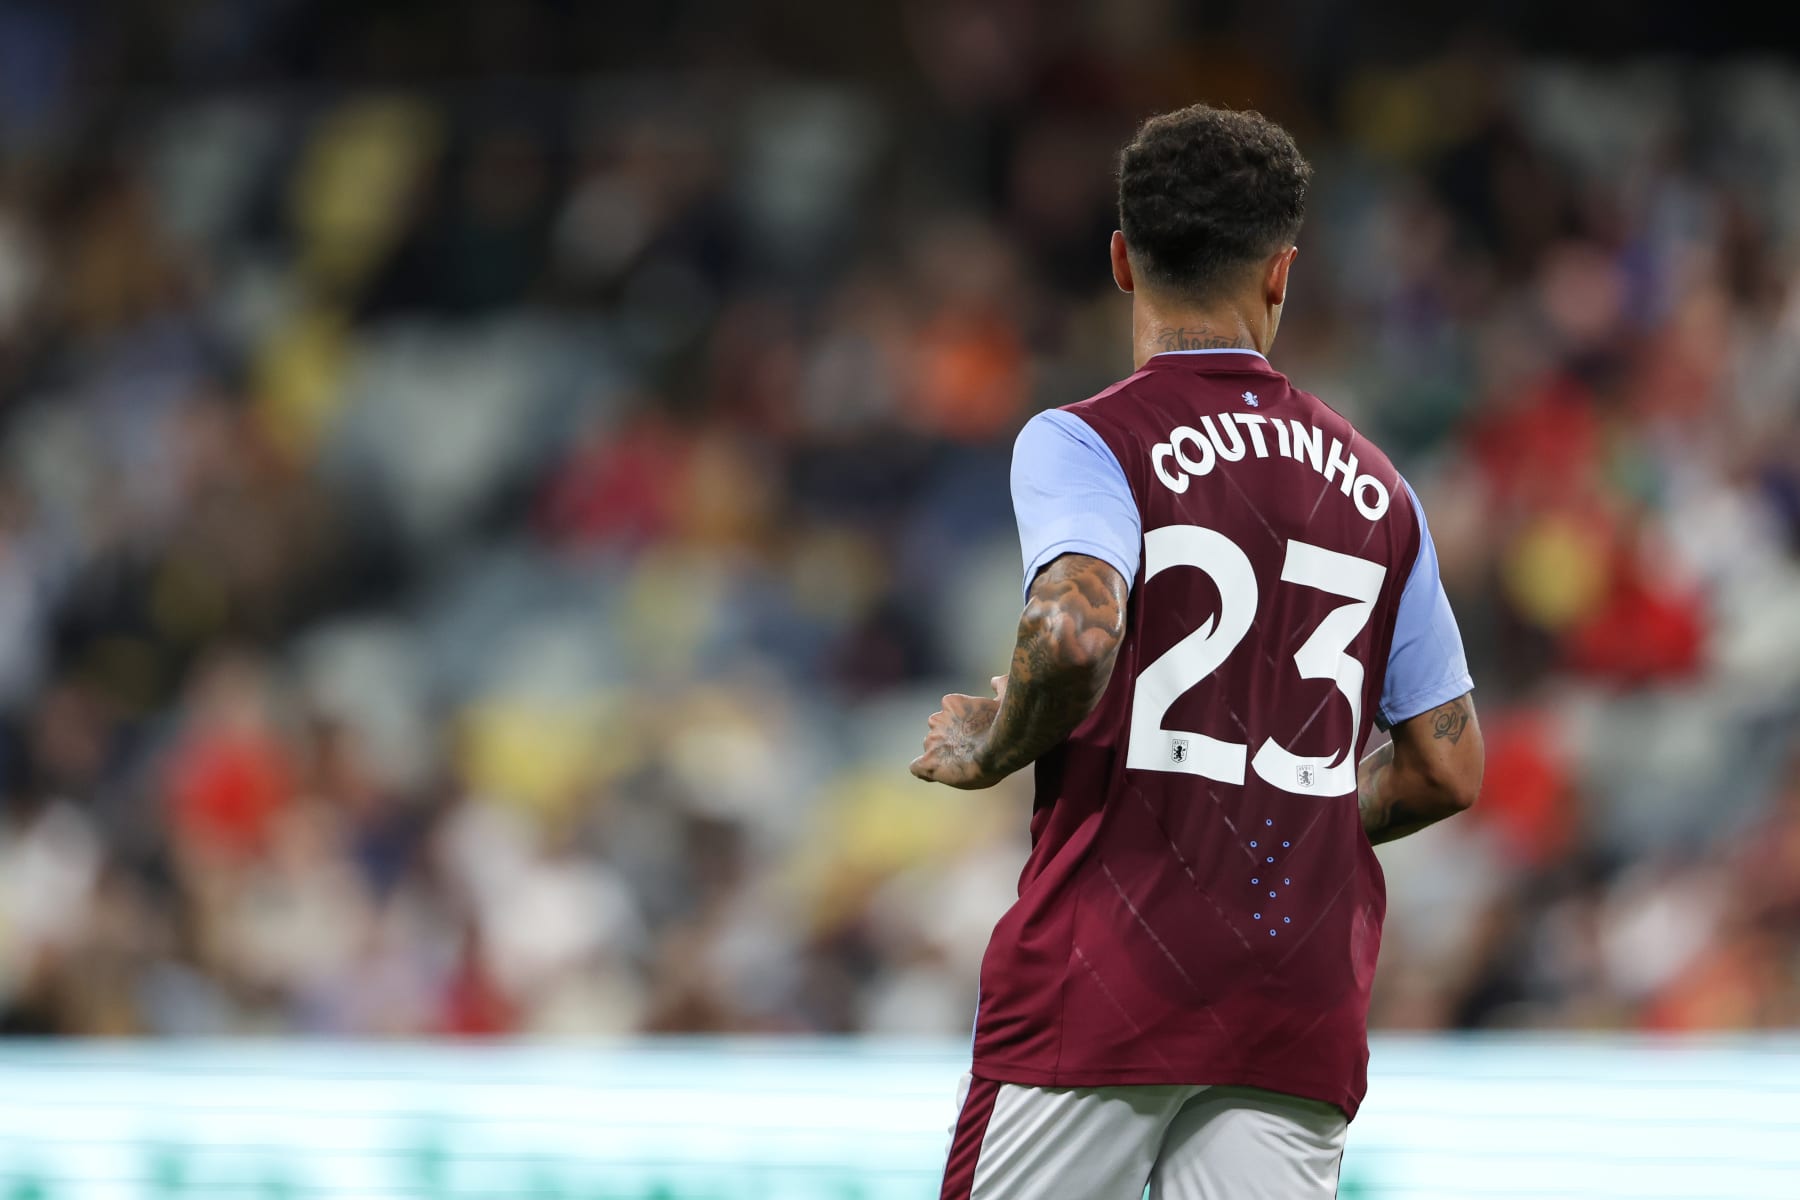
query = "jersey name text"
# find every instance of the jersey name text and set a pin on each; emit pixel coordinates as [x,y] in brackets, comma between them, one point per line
[1233,435]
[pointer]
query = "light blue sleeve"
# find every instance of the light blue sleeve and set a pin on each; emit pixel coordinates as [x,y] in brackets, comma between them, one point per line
[1070,496]
[1426,666]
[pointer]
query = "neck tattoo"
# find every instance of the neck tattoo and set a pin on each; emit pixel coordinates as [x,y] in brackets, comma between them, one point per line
[1202,338]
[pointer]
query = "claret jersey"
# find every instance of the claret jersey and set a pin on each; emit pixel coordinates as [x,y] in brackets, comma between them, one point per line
[1200,904]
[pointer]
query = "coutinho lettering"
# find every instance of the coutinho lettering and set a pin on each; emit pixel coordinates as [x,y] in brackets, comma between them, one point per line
[1198,451]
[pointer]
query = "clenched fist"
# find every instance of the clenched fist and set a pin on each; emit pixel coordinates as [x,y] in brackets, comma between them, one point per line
[956,737]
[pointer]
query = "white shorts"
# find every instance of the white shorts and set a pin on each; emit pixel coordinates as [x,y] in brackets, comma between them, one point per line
[1012,1142]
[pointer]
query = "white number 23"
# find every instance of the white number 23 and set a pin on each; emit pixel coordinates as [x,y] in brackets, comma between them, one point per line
[1194,657]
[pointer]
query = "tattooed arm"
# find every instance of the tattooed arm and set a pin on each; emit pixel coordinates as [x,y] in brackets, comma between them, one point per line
[1069,634]
[1431,770]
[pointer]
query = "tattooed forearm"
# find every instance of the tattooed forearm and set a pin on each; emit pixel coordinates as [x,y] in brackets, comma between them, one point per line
[1202,338]
[1069,635]
[1431,770]
[1368,789]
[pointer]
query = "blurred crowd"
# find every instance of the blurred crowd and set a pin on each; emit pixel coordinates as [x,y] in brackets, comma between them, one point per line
[477,559]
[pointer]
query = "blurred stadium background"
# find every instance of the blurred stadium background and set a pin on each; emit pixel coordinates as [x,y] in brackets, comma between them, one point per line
[490,491]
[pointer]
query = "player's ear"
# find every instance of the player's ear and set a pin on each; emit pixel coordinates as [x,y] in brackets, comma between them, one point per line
[1275,282]
[1121,263]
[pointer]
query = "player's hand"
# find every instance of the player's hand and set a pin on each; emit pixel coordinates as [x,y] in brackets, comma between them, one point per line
[955,737]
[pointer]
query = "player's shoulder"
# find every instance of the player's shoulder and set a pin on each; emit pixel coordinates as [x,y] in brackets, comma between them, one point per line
[1053,431]
[1370,455]
[1109,400]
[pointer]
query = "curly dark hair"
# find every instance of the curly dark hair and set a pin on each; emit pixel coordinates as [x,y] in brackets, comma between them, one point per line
[1205,192]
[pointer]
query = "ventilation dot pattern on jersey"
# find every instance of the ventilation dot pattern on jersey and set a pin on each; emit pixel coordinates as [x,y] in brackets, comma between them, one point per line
[1256,880]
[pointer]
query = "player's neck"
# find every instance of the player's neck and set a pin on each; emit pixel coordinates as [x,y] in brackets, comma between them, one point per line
[1157,331]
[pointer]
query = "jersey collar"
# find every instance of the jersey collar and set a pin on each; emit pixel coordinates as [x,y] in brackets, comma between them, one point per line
[1187,353]
[1211,360]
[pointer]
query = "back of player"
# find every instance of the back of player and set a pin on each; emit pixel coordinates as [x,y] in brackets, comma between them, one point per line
[1201,903]
[1180,995]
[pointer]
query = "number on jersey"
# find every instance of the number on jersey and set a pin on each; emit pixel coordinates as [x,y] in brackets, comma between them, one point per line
[1179,669]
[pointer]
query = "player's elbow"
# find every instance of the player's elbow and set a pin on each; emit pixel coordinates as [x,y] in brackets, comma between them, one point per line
[1461,792]
[1091,655]
[1077,645]
[1456,780]
[1435,791]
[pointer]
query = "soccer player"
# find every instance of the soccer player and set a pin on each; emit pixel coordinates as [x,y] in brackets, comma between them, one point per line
[1226,585]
